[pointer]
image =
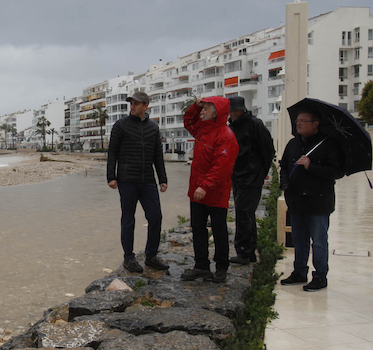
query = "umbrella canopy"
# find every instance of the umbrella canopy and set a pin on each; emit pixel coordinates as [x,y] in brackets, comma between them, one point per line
[339,124]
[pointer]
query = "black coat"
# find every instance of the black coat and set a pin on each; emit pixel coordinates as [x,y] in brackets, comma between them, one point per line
[311,191]
[255,154]
[135,146]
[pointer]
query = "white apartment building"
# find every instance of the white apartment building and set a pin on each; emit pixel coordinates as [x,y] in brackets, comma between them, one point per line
[70,133]
[20,121]
[90,132]
[52,111]
[340,62]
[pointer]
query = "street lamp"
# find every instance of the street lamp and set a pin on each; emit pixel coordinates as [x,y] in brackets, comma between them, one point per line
[173,142]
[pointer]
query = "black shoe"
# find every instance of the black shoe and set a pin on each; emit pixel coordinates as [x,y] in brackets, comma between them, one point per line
[220,276]
[239,259]
[132,265]
[316,284]
[294,278]
[191,275]
[154,262]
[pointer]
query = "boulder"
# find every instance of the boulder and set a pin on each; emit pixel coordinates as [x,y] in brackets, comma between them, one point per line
[193,321]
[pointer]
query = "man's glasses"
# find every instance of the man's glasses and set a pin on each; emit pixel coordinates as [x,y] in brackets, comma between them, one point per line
[301,121]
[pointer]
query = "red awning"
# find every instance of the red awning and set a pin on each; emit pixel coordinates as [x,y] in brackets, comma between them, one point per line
[277,54]
[231,81]
[271,70]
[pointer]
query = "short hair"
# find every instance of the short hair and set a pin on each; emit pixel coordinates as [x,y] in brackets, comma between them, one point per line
[213,108]
[314,114]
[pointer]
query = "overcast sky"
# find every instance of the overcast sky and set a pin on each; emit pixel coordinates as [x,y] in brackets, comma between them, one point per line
[55,48]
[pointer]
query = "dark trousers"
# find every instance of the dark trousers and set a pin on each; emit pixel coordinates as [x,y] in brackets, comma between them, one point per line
[147,194]
[246,202]
[199,214]
[304,228]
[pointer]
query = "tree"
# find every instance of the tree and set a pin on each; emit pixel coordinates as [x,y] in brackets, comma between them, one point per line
[100,115]
[365,105]
[13,131]
[42,125]
[6,128]
[52,131]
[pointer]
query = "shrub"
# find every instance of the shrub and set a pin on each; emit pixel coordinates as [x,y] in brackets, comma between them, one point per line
[252,319]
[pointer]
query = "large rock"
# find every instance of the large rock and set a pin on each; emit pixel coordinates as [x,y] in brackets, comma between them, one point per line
[192,321]
[225,299]
[69,334]
[156,341]
[103,283]
[96,302]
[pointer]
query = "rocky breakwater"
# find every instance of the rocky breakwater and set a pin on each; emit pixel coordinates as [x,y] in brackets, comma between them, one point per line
[155,309]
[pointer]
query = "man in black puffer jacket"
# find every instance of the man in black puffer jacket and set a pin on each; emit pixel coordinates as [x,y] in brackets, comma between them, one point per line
[135,146]
[251,168]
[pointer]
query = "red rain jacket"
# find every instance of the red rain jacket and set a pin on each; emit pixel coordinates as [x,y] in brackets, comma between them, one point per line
[215,152]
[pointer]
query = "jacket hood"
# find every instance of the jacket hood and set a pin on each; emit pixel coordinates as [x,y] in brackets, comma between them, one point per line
[222,106]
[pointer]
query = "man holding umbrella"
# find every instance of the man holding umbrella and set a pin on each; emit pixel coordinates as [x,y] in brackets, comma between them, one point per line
[308,175]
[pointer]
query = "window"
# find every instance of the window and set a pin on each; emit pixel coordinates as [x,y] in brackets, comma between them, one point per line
[356,70]
[357,34]
[232,66]
[356,89]
[342,74]
[349,38]
[343,55]
[275,91]
[310,38]
[357,54]
[355,105]
[234,94]
[370,69]
[342,90]
[170,120]
[370,52]
[343,38]
[370,34]
[343,105]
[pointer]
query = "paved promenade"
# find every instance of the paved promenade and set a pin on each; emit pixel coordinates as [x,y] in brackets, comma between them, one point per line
[341,316]
[57,236]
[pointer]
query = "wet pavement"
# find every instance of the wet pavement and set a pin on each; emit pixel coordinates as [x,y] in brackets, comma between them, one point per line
[340,316]
[57,236]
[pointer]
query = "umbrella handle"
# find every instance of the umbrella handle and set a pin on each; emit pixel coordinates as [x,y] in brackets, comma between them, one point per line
[295,166]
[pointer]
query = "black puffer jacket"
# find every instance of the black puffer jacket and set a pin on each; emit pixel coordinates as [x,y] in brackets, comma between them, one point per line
[255,154]
[135,146]
[311,191]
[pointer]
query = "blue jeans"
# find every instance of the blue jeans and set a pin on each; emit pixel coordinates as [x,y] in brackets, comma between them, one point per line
[304,228]
[130,193]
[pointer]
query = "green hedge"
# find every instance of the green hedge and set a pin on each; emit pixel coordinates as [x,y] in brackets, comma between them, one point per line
[258,309]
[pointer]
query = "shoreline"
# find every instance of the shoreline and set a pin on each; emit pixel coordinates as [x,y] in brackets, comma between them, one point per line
[31,170]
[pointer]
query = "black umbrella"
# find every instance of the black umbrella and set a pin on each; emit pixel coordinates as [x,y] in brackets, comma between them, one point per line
[339,124]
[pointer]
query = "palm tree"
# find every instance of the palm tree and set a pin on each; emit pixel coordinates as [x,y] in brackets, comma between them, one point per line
[6,128]
[52,131]
[100,115]
[13,131]
[42,125]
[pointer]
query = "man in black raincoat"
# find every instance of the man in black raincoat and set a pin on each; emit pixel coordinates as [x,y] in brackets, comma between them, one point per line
[251,168]
[309,195]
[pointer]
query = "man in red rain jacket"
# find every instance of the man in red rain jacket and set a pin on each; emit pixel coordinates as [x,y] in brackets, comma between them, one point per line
[215,152]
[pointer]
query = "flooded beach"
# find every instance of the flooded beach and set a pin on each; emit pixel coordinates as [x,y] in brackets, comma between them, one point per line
[58,236]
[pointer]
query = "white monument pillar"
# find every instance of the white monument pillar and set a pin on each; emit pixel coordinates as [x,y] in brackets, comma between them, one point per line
[296,57]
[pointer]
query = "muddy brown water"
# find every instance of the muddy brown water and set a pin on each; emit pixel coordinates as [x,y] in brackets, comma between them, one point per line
[57,236]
